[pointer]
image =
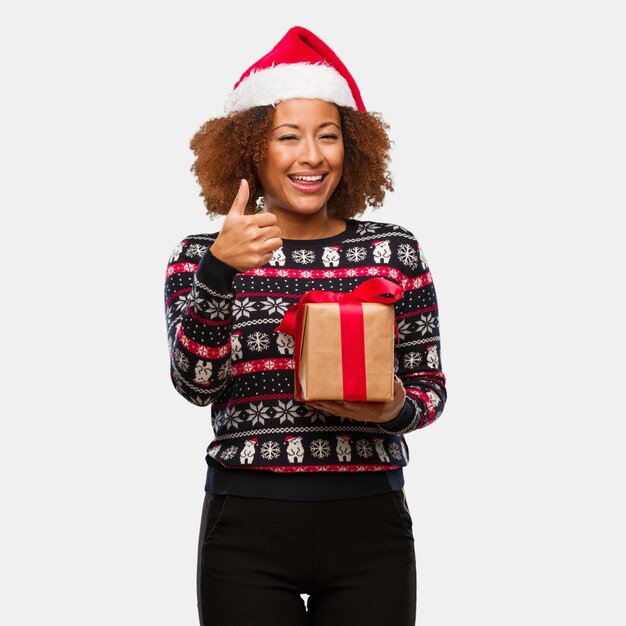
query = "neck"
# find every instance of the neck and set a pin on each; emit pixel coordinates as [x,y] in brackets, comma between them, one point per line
[317,225]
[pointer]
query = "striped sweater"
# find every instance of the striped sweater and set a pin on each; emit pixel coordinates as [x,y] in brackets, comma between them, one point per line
[225,352]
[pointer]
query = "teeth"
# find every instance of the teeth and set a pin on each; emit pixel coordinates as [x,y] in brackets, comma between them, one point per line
[309,178]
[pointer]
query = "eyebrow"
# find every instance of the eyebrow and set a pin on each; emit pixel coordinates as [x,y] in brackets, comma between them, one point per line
[297,127]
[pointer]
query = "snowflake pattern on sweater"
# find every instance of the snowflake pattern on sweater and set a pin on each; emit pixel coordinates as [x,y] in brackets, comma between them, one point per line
[224,351]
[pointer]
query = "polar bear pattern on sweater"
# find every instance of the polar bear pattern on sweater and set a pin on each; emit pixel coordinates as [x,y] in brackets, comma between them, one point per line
[295,450]
[203,371]
[343,449]
[249,450]
[330,256]
[278,257]
[382,251]
[284,342]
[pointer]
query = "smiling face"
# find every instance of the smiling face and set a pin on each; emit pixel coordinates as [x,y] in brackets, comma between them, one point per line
[305,140]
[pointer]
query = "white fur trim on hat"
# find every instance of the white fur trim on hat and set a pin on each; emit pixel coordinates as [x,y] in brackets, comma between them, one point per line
[290,80]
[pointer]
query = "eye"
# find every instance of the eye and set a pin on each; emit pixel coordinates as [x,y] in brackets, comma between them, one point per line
[330,136]
[287,137]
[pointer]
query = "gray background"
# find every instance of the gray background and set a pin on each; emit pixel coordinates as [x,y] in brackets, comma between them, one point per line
[508,122]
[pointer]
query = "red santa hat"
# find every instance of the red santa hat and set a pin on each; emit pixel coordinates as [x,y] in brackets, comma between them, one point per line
[300,65]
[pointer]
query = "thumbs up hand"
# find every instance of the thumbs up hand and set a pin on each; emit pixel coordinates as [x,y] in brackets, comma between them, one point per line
[246,241]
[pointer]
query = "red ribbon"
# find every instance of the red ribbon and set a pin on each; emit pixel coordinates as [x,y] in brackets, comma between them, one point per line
[352,329]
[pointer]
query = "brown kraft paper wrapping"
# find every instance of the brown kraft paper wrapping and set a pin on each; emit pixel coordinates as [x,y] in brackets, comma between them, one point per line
[321,372]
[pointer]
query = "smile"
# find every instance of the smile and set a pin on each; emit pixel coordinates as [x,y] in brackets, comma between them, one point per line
[308,184]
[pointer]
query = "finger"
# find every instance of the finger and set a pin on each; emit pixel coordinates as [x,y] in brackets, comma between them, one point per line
[271,232]
[238,206]
[332,405]
[265,219]
[273,244]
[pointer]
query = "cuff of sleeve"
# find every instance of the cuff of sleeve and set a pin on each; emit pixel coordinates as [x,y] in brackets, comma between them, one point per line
[215,273]
[400,421]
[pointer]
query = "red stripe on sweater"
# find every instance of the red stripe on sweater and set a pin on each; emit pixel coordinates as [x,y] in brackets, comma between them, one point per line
[439,379]
[203,320]
[341,272]
[175,295]
[258,398]
[177,268]
[273,294]
[428,309]
[298,467]
[346,272]
[435,374]
[262,365]
[201,350]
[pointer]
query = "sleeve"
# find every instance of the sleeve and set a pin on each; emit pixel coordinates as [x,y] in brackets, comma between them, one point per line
[199,296]
[418,353]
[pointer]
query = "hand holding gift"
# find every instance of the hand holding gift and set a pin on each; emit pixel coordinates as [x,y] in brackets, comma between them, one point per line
[365,411]
[344,350]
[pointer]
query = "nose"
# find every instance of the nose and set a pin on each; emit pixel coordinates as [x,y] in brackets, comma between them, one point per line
[310,153]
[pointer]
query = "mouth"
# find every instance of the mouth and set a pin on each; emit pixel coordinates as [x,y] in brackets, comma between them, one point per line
[308,184]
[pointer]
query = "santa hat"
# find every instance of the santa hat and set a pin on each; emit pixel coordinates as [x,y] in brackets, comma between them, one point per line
[300,65]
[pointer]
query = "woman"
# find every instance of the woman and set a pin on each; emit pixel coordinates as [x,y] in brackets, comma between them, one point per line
[300,497]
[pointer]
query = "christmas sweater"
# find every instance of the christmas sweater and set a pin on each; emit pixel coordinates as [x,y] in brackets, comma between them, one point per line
[225,352]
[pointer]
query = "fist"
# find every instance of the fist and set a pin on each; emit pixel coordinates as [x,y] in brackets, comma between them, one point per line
[246,241]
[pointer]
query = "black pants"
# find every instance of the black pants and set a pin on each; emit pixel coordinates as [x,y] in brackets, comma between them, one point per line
[355,559]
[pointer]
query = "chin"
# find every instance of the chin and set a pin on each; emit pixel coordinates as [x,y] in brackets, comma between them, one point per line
[308,206]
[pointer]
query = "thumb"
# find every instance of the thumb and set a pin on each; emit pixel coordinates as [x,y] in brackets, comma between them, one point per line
[241,199]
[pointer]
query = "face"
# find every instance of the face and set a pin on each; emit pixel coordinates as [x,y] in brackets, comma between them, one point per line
[305,140]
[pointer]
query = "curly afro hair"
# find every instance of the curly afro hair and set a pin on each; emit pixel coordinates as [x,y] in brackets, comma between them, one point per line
[230,148]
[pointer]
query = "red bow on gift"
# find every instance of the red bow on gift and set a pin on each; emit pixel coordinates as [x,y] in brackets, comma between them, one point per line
[352,329]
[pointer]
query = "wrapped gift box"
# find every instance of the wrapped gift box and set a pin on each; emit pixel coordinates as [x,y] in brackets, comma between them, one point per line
[321,360]
[344,343]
